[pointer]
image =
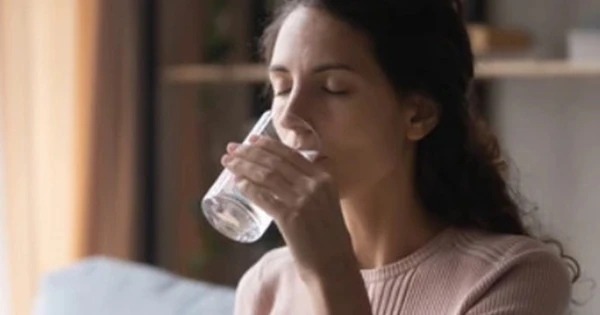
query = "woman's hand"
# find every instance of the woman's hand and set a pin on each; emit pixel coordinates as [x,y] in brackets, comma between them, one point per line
[302,199]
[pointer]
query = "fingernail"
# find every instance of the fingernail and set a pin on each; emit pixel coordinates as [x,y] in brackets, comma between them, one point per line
[232,146]
[226,159]
[253,138]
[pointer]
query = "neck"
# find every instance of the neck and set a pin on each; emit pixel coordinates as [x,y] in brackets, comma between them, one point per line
[386,222]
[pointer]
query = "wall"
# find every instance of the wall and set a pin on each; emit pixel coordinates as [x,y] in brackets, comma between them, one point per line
[551,129]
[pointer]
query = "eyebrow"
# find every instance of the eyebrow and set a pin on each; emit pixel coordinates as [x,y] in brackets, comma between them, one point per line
[318,69]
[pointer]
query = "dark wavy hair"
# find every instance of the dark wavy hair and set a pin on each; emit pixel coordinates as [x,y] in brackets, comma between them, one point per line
[423,47]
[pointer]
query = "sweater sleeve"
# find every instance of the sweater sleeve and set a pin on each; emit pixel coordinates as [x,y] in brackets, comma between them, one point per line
[248,294]
[535,282]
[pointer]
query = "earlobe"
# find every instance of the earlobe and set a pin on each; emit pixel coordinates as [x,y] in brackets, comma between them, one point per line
[423,117]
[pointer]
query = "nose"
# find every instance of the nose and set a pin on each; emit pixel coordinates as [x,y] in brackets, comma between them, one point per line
[293,120]
[295,123]
[295,114]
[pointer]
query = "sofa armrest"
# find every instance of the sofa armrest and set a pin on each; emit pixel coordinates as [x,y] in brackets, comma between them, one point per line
[111,287]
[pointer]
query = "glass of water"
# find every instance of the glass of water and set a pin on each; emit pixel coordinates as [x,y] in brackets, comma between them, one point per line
[227,209]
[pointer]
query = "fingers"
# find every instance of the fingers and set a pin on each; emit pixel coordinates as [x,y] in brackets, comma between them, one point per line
[284,152]
[263,197]
[270,162]
[266,177]
[270,173]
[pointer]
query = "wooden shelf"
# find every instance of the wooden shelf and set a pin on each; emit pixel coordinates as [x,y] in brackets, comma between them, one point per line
[492,69]
[498,69]
[207,73]
[486,39]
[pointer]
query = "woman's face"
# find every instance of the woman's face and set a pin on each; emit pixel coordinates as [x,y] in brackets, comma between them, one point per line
[323,71]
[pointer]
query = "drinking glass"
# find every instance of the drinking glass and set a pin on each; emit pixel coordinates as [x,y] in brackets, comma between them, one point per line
[227,209]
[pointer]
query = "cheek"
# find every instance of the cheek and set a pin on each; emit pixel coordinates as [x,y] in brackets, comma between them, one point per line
[366,128]
[364,151]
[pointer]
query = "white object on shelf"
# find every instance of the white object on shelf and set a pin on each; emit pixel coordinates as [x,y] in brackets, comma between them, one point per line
[584,44]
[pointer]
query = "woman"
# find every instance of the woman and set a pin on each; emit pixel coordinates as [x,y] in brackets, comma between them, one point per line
[406,210]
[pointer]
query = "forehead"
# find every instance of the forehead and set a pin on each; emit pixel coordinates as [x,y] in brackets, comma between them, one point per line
[310,35]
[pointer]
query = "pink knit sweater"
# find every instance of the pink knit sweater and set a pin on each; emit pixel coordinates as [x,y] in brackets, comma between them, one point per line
[458,272]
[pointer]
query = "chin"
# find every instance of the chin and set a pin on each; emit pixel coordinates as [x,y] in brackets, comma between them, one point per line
[346,188]
[359,181]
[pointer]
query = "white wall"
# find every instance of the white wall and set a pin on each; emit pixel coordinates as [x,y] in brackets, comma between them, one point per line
[551,129]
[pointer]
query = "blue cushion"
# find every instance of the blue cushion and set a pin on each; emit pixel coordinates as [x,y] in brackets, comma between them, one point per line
[112,287]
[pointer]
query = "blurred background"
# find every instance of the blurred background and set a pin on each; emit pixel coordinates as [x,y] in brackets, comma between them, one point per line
[114,113]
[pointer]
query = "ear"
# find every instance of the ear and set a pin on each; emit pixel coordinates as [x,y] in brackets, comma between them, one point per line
[422,116]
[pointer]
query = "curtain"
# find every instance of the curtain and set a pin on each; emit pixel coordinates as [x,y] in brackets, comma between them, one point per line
[69,108]
[114,145]
[4,296]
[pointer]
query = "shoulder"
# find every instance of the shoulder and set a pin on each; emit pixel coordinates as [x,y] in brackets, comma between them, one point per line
[274,262]
[272,265]
[262,280]
[519,271]
[502,251]
[258,286]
